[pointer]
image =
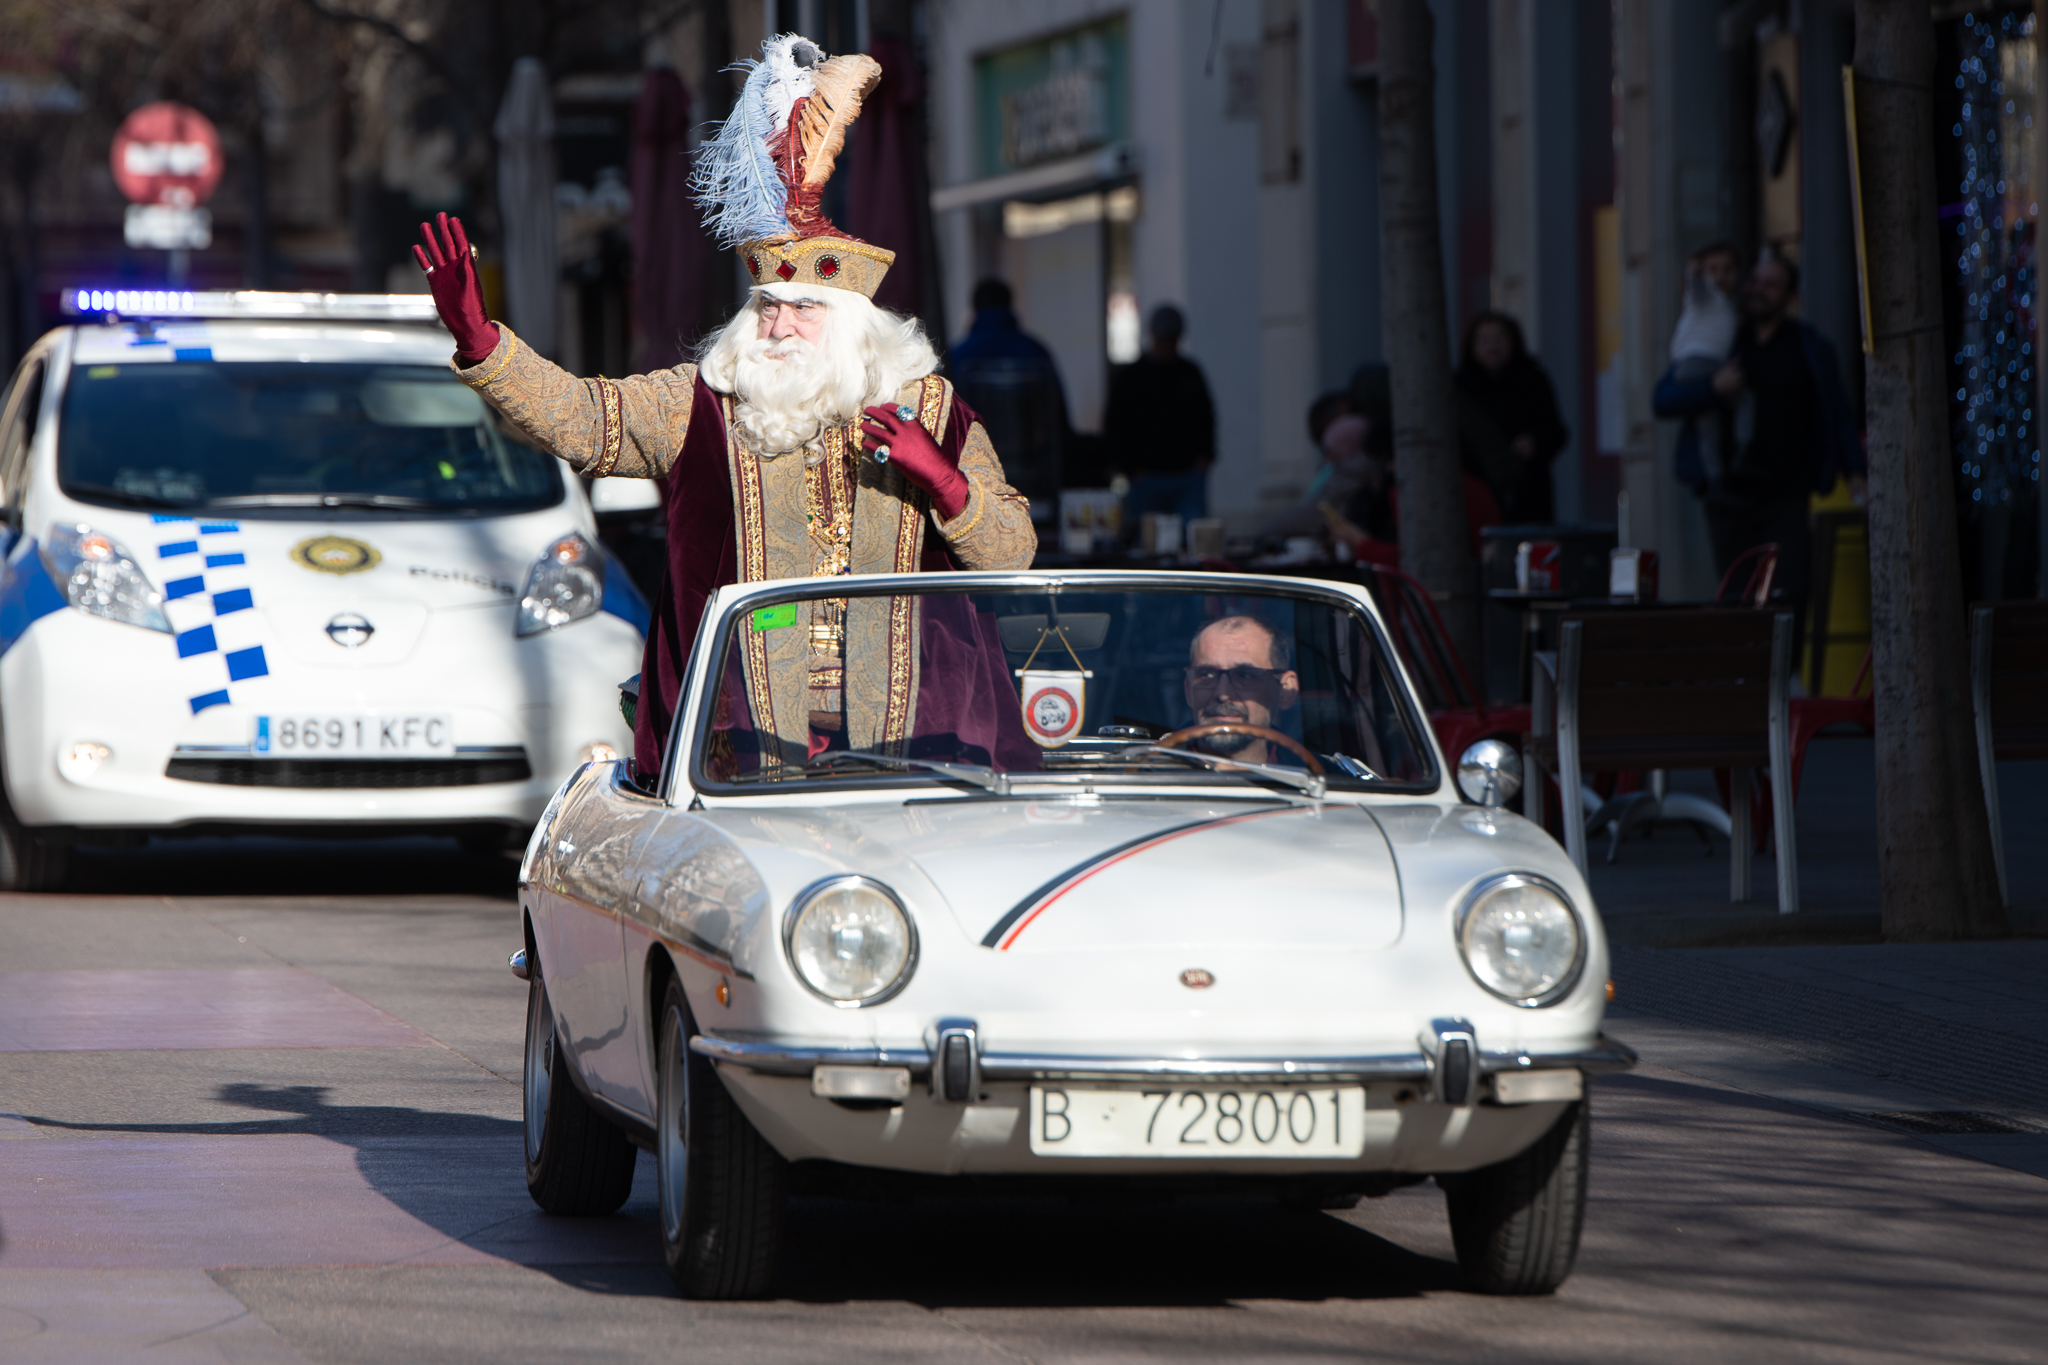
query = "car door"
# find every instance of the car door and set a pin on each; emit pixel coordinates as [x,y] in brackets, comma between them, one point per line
[597,838]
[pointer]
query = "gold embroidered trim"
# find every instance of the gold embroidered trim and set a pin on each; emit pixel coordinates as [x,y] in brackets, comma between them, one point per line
[614,430]
[753,567]
[896,720]
[511,349]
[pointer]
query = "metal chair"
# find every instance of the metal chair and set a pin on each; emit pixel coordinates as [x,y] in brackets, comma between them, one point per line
[1641,690]
[1762,561]
[2009,694]
[1457,711]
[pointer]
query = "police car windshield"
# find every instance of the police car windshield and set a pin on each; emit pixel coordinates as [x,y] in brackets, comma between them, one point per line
[398,440]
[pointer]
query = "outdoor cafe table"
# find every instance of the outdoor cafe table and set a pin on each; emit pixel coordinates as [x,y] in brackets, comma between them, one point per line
[1541,612]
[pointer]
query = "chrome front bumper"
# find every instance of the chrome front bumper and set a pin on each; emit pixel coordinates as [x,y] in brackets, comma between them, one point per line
[776,1059]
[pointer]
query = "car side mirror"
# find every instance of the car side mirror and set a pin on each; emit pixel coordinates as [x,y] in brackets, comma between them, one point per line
[1490,773]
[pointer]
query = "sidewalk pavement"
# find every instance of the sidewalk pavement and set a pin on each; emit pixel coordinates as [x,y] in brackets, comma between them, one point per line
[1670,889]
[1947,1042]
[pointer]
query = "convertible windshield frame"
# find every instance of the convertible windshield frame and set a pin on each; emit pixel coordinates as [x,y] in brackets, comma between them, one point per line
[689,738]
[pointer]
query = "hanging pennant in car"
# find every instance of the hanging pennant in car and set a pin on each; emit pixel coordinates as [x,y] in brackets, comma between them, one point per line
[1054,702]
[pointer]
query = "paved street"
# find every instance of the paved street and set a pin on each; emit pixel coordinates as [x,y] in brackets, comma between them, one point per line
[254,1124]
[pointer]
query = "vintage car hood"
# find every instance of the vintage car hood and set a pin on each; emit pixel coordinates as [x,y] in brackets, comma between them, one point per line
[1058,876]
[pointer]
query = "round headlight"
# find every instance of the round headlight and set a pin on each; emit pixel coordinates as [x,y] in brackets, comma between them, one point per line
[850,941]
[1522,939]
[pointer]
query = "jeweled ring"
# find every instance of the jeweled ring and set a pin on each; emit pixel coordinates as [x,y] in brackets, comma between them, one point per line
[430,270]
[881,454]
[905,412]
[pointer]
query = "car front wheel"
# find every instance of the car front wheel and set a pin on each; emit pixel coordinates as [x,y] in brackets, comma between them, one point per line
[722,1185]
[28,861]
[1516,1223]
[576,1162]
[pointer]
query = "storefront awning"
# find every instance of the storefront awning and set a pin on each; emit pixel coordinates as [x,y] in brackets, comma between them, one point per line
[1119,161]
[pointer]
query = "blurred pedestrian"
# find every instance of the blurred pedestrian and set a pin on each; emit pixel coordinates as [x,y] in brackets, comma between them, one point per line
[1508,424]
[1161,426]
[1700,344]
[1340,436]
[1791,434]
[1010,378]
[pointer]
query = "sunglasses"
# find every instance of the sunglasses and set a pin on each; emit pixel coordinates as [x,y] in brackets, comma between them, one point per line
[1243,677]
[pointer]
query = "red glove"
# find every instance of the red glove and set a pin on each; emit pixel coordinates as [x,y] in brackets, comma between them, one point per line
[911,449]
[458,296]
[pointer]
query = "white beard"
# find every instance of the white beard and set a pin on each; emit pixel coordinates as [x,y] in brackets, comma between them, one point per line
[790,391]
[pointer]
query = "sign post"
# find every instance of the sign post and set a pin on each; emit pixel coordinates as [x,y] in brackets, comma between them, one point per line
[166,160]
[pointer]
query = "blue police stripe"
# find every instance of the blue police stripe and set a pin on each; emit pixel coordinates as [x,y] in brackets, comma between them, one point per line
[192,353]
[224,561]
[236,599]
[247,663]
[200,703]
[183,587]
[219,528]
[621,596]
[26,596]
[197,641]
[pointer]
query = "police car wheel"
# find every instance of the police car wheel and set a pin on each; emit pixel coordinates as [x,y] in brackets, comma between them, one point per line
[576,1161]
[28,861]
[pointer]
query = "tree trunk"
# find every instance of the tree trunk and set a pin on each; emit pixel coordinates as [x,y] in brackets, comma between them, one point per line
[1435,543]
[1933,840]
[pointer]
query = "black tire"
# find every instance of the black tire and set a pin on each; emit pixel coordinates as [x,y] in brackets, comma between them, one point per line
[723,1188]
[576,1161]
[1516,1224]
[29,862]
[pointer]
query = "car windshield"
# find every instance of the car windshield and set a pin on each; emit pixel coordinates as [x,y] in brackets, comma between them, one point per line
[400,438]
[1089,682]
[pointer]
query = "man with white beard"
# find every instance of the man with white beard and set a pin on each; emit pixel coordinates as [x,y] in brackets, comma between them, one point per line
[811,438]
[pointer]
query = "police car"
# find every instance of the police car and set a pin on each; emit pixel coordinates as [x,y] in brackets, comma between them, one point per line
[268,565]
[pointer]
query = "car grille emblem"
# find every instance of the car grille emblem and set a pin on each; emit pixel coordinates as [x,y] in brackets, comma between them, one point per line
[350,630]
[1197,978]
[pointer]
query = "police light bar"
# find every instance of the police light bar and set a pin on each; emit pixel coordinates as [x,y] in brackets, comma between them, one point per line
[247,303]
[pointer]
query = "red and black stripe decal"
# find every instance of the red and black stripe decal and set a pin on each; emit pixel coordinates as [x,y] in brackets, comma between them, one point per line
[1018,919]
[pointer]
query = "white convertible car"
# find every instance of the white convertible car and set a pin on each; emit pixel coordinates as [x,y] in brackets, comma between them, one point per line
[1047,879]
[269,565]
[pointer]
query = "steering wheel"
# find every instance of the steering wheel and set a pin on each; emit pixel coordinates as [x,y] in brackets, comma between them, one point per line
[1179,738]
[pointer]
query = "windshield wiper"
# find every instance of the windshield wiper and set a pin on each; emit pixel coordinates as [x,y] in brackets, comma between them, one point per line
[1310,783]
[122,496]
[979,774]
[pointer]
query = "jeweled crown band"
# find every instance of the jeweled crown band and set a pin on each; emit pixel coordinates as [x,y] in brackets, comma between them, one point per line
[835,262]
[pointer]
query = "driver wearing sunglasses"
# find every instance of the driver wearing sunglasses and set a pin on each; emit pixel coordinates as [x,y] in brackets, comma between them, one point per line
[1240,674]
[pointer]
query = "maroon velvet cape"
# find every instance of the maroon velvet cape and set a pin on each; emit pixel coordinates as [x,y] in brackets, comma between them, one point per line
[962,657]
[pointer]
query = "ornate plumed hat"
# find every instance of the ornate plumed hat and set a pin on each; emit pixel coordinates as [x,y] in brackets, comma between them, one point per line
[761,178]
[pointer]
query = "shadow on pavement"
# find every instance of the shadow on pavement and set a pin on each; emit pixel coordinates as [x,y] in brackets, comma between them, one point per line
[266,865]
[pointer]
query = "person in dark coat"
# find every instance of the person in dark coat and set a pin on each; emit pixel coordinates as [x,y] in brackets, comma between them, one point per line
[1509,430]
[1161,425]
[1012,381]
[1790,432]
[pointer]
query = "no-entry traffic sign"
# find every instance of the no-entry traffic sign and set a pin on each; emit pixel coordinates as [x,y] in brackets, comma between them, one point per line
[167,153]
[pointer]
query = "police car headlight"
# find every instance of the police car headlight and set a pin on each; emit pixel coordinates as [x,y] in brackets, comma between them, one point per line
[1522,940]
[850,941]
[100,578]
[566,584]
